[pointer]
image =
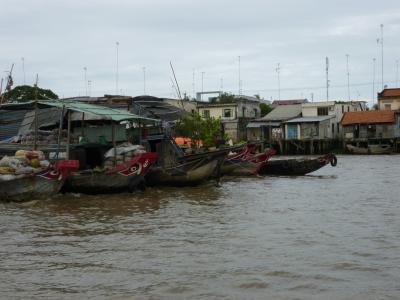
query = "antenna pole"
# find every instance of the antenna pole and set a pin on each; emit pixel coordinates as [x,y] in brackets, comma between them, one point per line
[278,71]
[177,85]
[116,75]
[348,76]
[383,85]
[327,78]
[373,79]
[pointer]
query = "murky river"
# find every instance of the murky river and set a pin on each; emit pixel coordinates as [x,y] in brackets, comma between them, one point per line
[332,235]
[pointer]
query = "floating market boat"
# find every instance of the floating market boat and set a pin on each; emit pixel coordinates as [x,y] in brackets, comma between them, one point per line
[370,149]
[126,177]
[34,183]
[246,162]
[297,166]
[175,168]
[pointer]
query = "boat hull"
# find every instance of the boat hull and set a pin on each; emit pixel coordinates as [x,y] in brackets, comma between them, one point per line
[246,164]
[127,177]
[29,188]
[297,167]
[188,170]
[92,182]
[371,149]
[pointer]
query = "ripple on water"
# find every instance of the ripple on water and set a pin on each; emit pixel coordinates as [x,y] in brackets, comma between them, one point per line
[331,235]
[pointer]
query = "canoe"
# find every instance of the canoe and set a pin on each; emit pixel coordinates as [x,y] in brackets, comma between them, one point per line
[126,177]
[188,170]
[370,149]
[245,162]
[296,166]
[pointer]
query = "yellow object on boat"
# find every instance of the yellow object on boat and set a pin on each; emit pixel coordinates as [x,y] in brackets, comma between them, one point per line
[6,170]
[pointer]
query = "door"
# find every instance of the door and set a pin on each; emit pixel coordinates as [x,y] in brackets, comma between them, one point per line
[292,131]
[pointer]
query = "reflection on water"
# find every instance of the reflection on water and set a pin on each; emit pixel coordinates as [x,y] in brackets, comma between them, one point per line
[334,234]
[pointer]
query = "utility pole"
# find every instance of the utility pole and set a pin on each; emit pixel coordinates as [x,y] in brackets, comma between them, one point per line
[202,85]
[397,73]
[383,85]
[278,71]
[89,83]
[23,68]
[144,80]
[85,81]
[222,84]
[327,77]
[193,84]
[348,76]
[116,75]
[373,79]
[240,81]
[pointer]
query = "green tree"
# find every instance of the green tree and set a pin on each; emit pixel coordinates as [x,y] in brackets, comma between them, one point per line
[265,109]
[24,93]
[193,126]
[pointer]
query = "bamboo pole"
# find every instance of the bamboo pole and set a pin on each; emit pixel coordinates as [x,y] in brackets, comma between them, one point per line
[114,144]
[36,127]
[60,132]
[68,134]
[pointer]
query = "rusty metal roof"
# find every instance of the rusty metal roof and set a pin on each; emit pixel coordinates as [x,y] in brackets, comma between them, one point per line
[368,117]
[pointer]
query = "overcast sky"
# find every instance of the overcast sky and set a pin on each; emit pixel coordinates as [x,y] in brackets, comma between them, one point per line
[59,38]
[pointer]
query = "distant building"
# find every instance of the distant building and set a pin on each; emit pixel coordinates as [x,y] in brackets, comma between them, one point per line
[372,124]
[234,116]
[389,99]
[288,102]
[270,126]
[321,120]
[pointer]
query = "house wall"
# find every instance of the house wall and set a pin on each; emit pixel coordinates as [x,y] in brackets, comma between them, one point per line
[189,106]
[336,109]
[370,131]
[385,103]
[218,111]
[397,126]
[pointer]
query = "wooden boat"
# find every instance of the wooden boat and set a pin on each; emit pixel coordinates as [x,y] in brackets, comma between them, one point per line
[176,169]
[37,186]
[296,166]
[370,149]
[126,177]
[246,162]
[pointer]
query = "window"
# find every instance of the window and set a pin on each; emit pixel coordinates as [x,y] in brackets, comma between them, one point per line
[227,113]
[342,109]
[348,108]
[255,113]
[322,111]
[337,125]
[388,107]
[333,128]
[206,113]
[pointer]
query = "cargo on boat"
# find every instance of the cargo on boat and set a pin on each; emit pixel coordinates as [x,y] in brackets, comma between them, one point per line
[175,168]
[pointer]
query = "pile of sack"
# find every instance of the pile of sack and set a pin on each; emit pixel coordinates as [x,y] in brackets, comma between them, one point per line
[125,152]
[44,137]
[22,163]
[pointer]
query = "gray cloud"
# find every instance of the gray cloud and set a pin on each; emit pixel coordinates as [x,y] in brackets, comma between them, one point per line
[59,38]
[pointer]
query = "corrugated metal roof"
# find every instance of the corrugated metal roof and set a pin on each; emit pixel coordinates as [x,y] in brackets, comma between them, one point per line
[368,117]
[106,113]
[310,119]
[260,124]
[283,113]
[10,122]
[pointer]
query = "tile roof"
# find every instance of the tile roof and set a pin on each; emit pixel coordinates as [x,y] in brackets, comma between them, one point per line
[368,117]
[390,93]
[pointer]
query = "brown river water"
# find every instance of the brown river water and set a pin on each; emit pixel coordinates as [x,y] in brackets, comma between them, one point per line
[334,234]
